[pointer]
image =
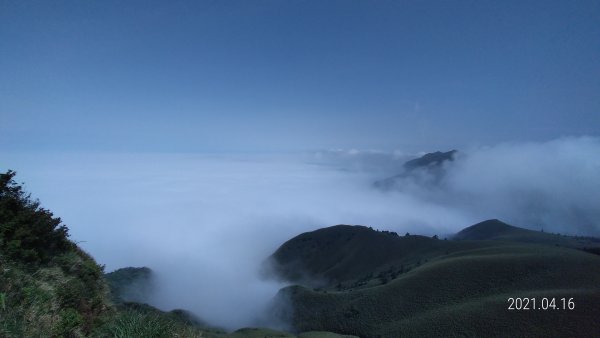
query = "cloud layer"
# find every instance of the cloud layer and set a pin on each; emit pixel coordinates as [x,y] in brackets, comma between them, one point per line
[553,185]
[205,223]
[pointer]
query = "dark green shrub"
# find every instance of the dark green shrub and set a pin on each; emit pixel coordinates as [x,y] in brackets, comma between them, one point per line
[46,279]
[28,232]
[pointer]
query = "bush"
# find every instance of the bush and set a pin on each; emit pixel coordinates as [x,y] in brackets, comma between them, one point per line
[28,233]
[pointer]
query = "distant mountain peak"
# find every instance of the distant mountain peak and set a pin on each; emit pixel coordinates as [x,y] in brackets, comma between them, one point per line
[430,163]
[430,159]
[487,229]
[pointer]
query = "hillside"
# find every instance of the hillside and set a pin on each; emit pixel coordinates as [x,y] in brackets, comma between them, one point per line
[494,229]
[48,286]
[130,284]
[499,231]
[354,254]
[460,285]
[344,253]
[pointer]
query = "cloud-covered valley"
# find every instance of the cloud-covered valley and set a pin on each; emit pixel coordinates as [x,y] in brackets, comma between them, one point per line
[205,223]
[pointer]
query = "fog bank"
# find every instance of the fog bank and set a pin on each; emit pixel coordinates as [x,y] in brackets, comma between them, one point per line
[205,223]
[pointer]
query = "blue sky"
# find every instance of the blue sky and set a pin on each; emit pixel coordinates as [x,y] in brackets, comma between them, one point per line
[276,76]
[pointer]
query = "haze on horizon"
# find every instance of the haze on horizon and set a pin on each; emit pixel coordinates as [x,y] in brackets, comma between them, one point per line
[195,137]
[206,223]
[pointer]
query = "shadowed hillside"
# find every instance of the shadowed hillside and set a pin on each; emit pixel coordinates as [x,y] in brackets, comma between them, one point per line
[450,286]
[499,231]
[495,229]
[130,284]
[355,254]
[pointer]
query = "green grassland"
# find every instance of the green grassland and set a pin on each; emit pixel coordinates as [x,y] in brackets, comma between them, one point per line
[65,297]
[500,231]
[268,333]
[456,287]
[142,320]
[352,255]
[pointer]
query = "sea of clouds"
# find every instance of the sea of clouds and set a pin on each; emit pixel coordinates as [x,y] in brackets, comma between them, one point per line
[205,223]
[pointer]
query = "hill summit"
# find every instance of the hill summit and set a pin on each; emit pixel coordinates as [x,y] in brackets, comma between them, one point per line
[491,229]
[497,230]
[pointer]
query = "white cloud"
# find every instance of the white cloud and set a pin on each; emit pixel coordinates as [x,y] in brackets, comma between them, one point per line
[205,223]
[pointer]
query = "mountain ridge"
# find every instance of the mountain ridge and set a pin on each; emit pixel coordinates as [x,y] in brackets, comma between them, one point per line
[457,284]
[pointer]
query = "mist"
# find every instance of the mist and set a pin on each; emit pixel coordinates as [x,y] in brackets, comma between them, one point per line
[552,186]
[205,223]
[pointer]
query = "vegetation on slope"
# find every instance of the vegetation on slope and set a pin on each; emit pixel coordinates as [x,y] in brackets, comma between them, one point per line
[142,320]
[461,289]
[130,284]
[496,230]
[345,255]
[48,286]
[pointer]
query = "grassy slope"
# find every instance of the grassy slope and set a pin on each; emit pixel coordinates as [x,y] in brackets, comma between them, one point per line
[141,320]
[48,286]
[499,231]
[459,291]
[460,287]
[130,284]
[347,254]
[66,296]
[268,333]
